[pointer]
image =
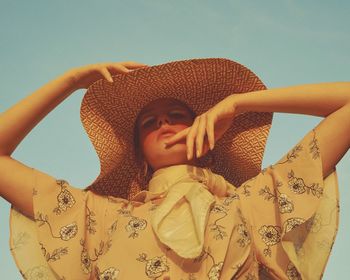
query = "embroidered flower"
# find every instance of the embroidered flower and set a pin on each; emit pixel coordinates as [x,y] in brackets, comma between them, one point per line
[55,255]
[267,194]
[296,185]
[243,232]
[65,200]
[271,236]
[20,239]
[109,274]
[85,261]
[228,200]
[292,223]
[90,221]
[124,212]
[217,208]
[293,154]
[292,272]
[313,145]
[113,227]
[62,183]
[285,204]
[214,272]
[246,192]
[135,225]
[126,209]
[69,231]
[156,267]
[219,230]
[38,273]
[315,189]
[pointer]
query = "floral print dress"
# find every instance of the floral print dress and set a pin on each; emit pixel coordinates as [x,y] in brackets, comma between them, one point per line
[280,224]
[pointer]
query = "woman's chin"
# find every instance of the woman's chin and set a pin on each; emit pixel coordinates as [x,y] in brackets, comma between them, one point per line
[171,158]
[167,156]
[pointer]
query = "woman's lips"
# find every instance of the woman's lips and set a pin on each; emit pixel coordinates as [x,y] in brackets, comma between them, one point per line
[167,134]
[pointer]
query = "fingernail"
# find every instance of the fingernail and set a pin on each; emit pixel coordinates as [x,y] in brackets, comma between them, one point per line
[198,153]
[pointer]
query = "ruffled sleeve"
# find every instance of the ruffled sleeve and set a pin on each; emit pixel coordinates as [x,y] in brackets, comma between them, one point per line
[66,236]
[293,212]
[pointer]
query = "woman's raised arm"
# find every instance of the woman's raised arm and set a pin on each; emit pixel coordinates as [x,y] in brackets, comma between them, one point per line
[16,182]
[329,100]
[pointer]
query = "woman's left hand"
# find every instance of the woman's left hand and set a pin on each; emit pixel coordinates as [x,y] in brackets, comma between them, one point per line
[86,75]
[208,127]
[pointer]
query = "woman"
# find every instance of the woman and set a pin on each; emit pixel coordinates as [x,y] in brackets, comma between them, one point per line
[272,226]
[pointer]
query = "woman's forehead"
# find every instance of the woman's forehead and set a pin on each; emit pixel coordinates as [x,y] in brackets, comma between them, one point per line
[161,103]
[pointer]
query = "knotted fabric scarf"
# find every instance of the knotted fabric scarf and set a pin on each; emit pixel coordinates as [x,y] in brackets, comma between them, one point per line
[180,220]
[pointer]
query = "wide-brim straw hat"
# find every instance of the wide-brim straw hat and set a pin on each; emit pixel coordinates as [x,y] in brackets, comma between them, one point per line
[109,110]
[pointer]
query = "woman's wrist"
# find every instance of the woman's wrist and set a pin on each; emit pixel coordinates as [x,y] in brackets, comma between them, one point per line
[72,79]
[237,102]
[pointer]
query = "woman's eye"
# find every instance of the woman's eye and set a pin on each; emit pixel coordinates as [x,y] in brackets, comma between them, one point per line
[148,122]
[176,114]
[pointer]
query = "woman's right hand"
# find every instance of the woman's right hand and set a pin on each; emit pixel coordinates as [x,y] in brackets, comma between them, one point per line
[208,127]
[86,75]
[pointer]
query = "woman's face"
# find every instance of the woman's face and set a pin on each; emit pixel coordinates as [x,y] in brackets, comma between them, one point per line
[159,120]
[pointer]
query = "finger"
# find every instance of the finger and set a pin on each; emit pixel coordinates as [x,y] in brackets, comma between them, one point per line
[210,131]
[200,135]
[190,138]
[106,74]
[177,137]
[119,68]
[134,64]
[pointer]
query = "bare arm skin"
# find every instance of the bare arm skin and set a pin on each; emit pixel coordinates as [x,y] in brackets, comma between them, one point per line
[329,100]
[16,179]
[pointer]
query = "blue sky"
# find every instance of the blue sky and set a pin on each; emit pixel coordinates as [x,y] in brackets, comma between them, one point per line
[284,42]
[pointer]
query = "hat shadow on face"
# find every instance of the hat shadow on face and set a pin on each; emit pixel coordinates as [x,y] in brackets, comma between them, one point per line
[169,100]
[145,170]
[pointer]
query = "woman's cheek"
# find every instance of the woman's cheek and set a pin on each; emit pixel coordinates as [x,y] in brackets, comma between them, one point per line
[149,143]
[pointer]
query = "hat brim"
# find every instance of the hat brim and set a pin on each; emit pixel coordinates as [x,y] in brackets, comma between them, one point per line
[109,111]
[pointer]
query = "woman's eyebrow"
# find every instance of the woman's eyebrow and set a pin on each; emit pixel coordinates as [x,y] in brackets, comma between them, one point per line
[150,111]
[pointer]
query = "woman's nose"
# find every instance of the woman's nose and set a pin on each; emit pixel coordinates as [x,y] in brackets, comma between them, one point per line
[162,119]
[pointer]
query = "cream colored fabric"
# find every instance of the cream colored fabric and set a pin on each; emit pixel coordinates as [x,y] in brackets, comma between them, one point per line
[180,221]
